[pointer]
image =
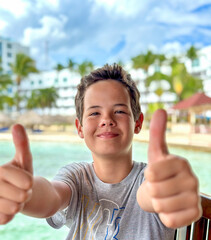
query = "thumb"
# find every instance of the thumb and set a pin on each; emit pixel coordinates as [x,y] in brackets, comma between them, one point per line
[157,142]
[23,157]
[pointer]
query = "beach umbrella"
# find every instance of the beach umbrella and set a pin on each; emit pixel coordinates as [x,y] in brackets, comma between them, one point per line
[5,120]
[29,119]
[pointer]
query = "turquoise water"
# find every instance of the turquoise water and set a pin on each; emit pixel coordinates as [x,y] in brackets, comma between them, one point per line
[49,157]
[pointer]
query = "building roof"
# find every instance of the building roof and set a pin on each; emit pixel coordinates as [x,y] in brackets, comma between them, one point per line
[197,102]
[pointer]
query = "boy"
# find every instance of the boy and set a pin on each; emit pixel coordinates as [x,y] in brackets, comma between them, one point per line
[98,200]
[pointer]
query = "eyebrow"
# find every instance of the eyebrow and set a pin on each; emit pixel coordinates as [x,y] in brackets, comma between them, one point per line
[115,105]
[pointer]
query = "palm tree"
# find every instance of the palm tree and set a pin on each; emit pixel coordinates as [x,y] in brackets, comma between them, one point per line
[192,54]
[71,65]
[23,66]
[182,83]
[33,101]
[59,67]
[158,76]
[85,68]
[144,61]
[159,60]
[43,98]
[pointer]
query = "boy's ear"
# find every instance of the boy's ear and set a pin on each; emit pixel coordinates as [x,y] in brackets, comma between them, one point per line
[138,124]
[79,128]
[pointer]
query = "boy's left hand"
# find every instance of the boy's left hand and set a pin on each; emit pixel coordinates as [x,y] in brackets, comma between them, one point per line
[170,182]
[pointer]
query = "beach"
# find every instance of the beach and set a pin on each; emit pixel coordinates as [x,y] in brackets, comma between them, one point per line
[196,141]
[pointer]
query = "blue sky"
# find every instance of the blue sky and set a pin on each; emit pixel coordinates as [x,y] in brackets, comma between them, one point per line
[104,30]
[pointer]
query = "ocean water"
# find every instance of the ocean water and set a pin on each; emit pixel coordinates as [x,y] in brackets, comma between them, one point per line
[49,157]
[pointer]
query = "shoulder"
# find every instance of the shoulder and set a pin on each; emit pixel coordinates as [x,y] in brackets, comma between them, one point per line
[139,166]
[75,168]
[138,171]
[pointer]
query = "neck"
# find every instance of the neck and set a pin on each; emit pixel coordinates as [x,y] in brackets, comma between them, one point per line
[112,170]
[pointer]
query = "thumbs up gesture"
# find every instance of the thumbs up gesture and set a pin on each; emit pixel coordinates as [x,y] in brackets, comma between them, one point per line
[16,177]
[170,185]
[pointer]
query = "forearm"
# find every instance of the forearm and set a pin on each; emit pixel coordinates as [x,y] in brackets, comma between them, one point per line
[45,200]
[143,198]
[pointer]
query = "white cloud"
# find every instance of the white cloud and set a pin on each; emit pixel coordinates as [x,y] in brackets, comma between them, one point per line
[18,8]
[187,5]
[166,15]
[51,27]
[50,4]
[172,48]
[125,7]
[92,29]
[3,24]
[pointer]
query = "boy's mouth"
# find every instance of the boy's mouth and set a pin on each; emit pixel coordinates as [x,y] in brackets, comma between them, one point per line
[107,135]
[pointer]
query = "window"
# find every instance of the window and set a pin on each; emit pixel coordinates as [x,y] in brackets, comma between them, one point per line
[9,45]
[40,82]
[64,79]
[9,54]
[195,62]
[9,90]
[56,80]
[32,82]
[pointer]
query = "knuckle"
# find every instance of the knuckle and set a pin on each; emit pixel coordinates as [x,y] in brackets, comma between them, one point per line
[193,183]
[153,190]
[184,165]
[4,219]
[28,183]
[169,221]
[22,196]
[195,200]
[15,208]
[157,206]
[197,213]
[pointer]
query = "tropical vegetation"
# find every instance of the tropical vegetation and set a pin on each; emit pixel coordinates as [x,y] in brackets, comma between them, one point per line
[181,83]
[5,82]
[21,68]
[42,98]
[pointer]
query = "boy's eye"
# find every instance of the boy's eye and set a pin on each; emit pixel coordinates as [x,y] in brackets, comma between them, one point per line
[94,114]
[120,112]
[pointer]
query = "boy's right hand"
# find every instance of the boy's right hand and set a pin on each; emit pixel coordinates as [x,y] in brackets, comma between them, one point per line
[16,177]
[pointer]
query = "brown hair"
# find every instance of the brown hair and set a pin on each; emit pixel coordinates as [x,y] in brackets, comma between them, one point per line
[114,72]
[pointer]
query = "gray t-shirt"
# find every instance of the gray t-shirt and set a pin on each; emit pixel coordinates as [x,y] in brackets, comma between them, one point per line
[102,211]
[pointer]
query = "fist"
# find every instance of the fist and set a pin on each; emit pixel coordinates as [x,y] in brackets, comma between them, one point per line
[170,182]
[16,178]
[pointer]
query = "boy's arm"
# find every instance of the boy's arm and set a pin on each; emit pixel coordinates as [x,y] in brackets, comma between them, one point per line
[170,187]
[21,192]
[47,198]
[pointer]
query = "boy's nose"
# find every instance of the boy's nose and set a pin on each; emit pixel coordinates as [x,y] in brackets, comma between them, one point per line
[107,123]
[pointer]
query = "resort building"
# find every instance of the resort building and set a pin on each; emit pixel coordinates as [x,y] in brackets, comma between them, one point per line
[65,82]
[200,67]
[8,52]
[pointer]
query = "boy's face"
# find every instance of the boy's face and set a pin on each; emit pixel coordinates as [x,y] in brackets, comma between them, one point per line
[108,122]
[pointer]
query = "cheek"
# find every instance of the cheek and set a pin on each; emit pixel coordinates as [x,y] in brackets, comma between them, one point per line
[89,126]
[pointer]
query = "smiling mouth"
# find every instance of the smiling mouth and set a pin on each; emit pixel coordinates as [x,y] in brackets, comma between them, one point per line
[107,135]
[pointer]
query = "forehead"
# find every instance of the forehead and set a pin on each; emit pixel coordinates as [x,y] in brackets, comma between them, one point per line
[106,92]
